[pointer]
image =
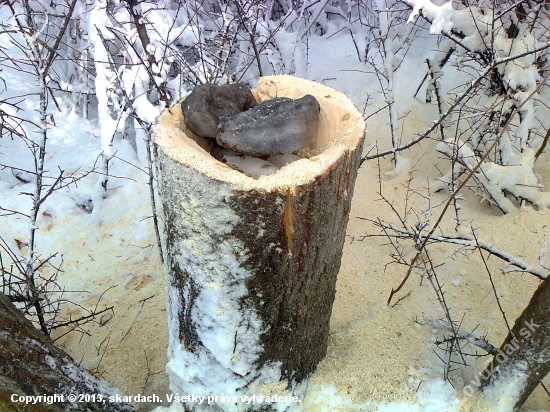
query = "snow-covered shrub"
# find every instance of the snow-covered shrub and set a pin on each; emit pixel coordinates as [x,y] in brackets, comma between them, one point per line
[486,75]
[486,78]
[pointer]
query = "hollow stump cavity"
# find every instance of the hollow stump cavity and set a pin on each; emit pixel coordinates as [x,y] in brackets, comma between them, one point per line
[251,264]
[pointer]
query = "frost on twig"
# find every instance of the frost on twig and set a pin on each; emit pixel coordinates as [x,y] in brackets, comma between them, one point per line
[462,334]
[497,181]
[465,242]
[393,44]
[504,60]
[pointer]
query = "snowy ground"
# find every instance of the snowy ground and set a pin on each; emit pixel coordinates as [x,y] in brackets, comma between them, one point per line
[378,358]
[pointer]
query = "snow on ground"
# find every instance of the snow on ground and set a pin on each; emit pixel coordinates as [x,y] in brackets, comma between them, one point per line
[379,358]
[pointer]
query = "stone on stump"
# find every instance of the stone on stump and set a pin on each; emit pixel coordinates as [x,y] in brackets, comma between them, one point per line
[274,127]
[204,107]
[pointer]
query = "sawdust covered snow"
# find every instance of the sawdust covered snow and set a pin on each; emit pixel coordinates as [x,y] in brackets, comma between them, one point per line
[378,356]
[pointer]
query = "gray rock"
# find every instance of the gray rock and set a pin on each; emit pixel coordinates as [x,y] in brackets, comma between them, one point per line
[276,126]
[218,152]
[205,105]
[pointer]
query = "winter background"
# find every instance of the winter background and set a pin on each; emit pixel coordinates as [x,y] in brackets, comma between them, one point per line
[404,66]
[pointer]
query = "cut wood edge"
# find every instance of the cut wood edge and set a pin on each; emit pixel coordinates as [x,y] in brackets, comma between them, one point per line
[340,131]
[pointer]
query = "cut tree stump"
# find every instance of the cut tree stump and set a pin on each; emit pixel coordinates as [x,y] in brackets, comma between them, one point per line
[252,263]
[31,365]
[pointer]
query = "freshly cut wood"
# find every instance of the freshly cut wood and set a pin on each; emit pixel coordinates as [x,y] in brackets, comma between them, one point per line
[31,365]
[251,264]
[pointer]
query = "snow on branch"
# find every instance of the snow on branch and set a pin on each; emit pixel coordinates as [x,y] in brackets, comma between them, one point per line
[462,240]
[441,16]
[462,334]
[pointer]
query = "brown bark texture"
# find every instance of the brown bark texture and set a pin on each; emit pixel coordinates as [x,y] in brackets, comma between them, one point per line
[526,349]
[273,245]
[31,365]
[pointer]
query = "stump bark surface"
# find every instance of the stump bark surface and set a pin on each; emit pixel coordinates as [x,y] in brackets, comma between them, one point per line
[31,365]
[252,263]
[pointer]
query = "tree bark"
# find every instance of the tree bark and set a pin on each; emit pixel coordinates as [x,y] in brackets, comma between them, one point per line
[252,263]
[524,356]
[31,365]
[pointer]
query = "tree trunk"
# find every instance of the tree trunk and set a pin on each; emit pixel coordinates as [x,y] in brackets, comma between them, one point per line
[523,360]
[31,365]
[252,263]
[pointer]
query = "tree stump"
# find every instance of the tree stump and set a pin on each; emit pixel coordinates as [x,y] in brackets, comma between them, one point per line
[251,264]
[31,365]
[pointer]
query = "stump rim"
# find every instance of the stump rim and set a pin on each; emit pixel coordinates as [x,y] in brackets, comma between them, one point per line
[170,137]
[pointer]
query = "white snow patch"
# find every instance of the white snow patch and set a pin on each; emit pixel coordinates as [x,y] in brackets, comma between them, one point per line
[223,357]
[504,393]
[440,16]
[250,166]
[50,362]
